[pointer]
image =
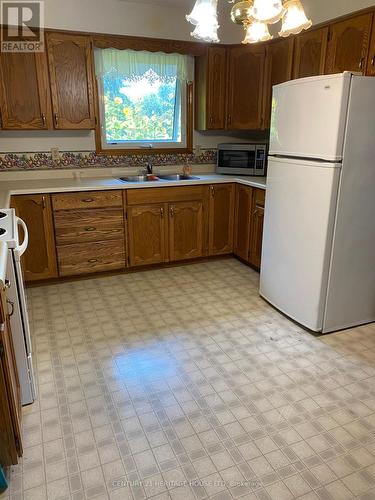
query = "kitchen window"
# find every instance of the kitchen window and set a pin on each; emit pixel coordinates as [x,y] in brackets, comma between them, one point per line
[145,100]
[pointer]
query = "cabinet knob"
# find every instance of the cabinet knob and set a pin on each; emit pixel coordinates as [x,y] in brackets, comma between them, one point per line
[56,120]
[44,121]
[361,62]
[161,212]
[90,229]
[211,120]
[172,211]
[373,60]
[212,191]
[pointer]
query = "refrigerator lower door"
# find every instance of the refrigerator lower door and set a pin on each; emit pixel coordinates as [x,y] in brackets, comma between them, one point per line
[309,117]
[298,231]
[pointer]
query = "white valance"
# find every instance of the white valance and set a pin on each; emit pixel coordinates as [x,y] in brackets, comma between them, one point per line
[135,65]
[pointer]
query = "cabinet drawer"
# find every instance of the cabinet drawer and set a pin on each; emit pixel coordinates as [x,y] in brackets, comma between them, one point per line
[86,258]
[145,196]
[80,226]
[87,199]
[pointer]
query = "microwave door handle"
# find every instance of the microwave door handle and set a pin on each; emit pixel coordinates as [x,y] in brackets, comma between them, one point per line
[21,249]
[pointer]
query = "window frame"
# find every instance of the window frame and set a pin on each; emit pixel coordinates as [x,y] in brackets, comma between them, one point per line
[119,151]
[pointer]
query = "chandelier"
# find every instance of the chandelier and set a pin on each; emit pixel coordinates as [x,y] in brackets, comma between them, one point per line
[253,15]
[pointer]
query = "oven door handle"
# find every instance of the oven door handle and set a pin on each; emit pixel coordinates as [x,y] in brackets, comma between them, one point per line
[21,249]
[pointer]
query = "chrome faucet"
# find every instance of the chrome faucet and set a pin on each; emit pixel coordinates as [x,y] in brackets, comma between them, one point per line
[149,168]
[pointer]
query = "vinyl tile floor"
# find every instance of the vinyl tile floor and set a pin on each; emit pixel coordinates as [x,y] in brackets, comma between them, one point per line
[182,383]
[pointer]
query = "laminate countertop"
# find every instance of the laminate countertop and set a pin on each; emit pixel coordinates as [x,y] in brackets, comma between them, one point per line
[66,185]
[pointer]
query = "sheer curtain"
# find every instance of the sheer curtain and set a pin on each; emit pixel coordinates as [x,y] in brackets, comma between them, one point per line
[135,65]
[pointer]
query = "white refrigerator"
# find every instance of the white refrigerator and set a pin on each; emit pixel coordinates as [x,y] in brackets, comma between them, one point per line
[318,258]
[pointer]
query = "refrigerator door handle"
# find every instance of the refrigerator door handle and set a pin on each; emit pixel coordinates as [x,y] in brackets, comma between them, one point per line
[21,249]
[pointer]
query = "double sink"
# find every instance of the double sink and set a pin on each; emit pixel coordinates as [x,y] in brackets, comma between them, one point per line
[156,178]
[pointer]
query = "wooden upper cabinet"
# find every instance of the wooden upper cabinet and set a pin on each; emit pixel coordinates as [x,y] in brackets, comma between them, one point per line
[245,87]
[221,215]
[210,89]
[185,230]
[371,55]
[148,225]
[71,76]
[310,53]
[349,44]
[39,260]
[243,208]
[278,69]
[10,399]
[24,91]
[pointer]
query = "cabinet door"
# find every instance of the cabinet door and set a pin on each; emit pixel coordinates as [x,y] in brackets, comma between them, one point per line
[371,56]
[242,221]
[310,53]
[245,87]
[10,407]
[147,234]
[185,230]
[221,215]
[70,67]
[210,89]
[216,86]
[348,45]
[24,91]
[256,235]
[39,260]
[278,69]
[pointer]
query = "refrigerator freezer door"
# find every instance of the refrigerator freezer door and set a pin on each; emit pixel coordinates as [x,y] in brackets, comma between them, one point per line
[298,229]
[309,117]
[351,287]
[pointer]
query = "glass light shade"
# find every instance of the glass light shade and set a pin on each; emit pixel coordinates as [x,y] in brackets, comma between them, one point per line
[256,32]
[295,19]
[207,30]
[241,12]
[268,11]
[202,11]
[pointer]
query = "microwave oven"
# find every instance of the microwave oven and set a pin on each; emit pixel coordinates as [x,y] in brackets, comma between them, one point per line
[242,159]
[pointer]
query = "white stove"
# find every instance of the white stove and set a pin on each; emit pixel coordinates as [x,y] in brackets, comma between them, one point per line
[16,298]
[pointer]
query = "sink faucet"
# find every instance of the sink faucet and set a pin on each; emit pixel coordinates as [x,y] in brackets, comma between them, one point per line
[149,168]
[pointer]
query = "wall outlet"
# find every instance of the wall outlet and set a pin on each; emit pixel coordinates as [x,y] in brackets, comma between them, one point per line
[198,150]
[55,153]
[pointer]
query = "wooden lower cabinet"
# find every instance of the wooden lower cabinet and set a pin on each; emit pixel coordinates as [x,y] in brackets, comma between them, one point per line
[221,219]
[249,224]
[39,260]
[256,223]
[244,196]
[185,230]
[147,230]
[10,399]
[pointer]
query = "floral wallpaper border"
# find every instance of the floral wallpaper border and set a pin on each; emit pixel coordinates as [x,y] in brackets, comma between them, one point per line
[90,159]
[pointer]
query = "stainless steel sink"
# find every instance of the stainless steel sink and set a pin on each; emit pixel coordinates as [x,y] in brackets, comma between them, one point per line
[137,178]
[177,177]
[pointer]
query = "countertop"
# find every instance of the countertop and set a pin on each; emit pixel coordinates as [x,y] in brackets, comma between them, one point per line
[66,185]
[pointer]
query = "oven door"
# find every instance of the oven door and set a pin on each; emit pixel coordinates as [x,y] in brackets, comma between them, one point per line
[239,161]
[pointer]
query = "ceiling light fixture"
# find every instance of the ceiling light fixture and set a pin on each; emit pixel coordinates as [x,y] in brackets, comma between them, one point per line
[253,15]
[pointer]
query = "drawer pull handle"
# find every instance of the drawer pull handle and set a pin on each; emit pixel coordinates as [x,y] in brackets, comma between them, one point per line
[56,120]
[44,121]
[90,229]
[92,261]
[87,200]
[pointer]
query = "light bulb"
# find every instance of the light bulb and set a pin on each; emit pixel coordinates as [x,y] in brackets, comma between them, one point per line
[268,11]
[256,32]
[295,19]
